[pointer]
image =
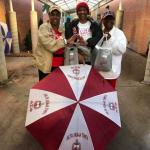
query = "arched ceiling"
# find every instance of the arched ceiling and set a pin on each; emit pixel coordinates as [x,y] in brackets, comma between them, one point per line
[70,5]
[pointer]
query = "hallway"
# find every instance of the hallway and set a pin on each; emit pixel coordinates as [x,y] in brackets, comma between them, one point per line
[134,106]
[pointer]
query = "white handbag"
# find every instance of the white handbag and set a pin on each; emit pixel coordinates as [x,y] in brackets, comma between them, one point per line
[103,55]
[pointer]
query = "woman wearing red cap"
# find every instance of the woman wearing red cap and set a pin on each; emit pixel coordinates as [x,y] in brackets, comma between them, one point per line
[84,30]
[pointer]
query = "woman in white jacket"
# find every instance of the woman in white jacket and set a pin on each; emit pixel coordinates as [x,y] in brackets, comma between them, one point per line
[117,41]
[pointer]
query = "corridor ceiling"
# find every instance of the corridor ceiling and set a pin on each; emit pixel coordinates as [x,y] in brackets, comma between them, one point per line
[70,5]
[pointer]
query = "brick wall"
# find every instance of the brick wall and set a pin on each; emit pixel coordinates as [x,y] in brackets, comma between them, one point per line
[136,22]
[2,11]
[22,9]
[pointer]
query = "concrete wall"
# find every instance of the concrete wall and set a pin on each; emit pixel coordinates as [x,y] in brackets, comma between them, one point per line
[2,11]
[136,22]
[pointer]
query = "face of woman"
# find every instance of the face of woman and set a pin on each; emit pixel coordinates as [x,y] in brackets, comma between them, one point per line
[82,13]
[55,18]
[109,22]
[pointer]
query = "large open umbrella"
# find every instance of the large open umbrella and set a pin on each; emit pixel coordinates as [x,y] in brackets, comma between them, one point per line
[73,108]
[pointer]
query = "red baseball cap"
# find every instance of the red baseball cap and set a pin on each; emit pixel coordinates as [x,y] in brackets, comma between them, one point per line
[82,4]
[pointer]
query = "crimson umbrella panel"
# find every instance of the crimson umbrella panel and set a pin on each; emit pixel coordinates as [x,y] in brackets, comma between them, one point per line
[73,108]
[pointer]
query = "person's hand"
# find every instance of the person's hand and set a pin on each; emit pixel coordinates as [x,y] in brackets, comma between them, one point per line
[75,30]
[72,39]
[81,59]
[82,42]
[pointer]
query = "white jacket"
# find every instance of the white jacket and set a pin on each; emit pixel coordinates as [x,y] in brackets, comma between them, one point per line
[118,44]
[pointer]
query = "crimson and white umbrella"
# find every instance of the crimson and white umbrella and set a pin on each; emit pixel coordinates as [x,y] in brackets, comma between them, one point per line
[73,108]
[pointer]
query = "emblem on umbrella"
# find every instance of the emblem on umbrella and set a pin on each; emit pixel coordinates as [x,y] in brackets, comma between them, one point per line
[37,104]
[73,108]
[76,145]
